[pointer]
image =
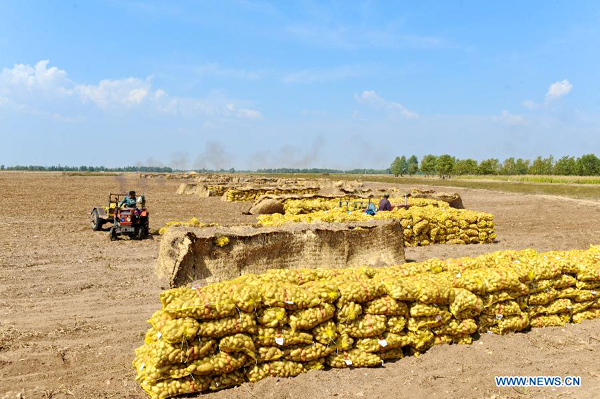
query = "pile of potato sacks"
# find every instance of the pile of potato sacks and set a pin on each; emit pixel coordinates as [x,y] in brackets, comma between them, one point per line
[217,189]
[251,194]
[286,322]
[348,203]
[424,224]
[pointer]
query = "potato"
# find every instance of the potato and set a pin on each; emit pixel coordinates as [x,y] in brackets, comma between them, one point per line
[272,317]
[278,368]
[383,342]
[353,358]
[238,343]
[306,353]
[365,326]
[348,312]
[308,318]
[325,333]
[282,337]
[243,322]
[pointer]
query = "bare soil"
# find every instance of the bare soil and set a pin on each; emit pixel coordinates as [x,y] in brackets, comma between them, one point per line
[73,305]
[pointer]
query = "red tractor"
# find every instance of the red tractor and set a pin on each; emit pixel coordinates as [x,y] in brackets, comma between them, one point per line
[133,222]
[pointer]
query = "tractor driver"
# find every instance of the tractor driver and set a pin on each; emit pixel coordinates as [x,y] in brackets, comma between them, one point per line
[129,201]
[384,204]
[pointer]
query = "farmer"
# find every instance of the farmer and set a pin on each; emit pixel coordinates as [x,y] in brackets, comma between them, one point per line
[384,204]
[128,201]
[370,208]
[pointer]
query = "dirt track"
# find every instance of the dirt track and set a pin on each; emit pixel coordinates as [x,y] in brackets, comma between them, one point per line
[73,305]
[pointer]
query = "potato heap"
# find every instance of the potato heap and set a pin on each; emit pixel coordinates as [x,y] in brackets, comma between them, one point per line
[217,189]
[422,225]
[251,194]
[348,203]
[286,322]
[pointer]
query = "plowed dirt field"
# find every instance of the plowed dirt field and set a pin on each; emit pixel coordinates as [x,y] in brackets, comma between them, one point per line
[73,305]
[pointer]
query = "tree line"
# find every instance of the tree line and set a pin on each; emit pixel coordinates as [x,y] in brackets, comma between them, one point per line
[446,166]
[430,165]
[59,168]
[165,169]
[322,170]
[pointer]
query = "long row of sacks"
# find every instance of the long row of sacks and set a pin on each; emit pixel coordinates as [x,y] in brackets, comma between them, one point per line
[252,193]
[297,206]
[425,222]
[286,322]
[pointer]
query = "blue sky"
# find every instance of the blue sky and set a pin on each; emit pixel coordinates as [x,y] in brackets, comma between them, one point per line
[251,84]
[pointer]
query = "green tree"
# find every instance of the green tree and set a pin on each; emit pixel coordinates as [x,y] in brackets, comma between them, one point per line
[413,165]
[565,166]
[542,166]
[444,165]
[509,167]
[522,166]
[428,164]
[395,167]
[548,165]
[588,165]
[465,167]
[399,166]
[537,167]
[489,167]
[403,165]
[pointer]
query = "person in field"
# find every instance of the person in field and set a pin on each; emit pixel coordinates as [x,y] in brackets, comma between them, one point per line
[129,201]
[370,208]
[384,204]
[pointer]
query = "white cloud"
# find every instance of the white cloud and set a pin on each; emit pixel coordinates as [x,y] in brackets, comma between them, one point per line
[558,89]
[40,90]
[510,119]
[32,77]
[249,113]
[555,91]
[128,92]
[242,112]
[369,97]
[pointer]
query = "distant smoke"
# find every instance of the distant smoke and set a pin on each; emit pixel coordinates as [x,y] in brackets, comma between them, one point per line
[122,181]
[290,156]
[214,156]
[150,162]
[180,160]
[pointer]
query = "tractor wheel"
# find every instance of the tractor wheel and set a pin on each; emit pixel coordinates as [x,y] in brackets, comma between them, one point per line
[113,234]
[142,233]
[96,221]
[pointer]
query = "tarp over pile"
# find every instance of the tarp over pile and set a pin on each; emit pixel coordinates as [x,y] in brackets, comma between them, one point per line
[218,253]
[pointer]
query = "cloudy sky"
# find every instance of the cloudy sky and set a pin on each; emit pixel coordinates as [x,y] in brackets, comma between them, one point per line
[251,84]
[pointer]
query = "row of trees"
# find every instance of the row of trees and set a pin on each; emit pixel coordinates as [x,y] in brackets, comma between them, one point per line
[59,168]
[164,169]
[323,170]
[446,166]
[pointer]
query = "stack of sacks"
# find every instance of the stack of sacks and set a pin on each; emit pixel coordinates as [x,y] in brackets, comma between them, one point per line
[443,225]
[348,203]
[285,322]
[421,225]
[217,189]
[251,194]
